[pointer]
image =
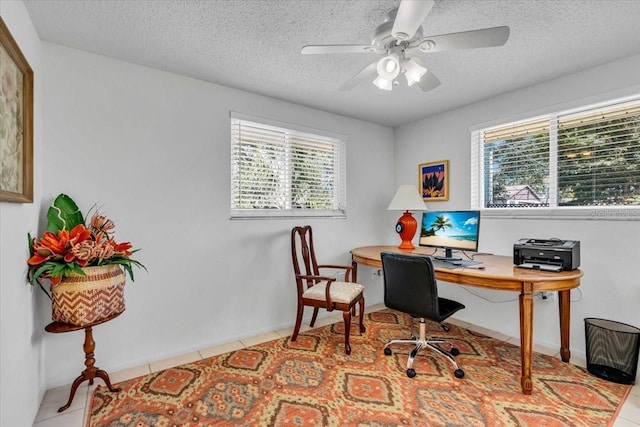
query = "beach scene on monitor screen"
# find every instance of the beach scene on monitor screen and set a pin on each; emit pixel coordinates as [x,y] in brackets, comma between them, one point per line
[449,229]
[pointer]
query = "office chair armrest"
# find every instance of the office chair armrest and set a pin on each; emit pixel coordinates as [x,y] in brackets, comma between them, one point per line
[348,270]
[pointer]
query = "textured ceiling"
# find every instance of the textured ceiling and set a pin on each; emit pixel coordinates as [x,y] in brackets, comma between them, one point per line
[254,45]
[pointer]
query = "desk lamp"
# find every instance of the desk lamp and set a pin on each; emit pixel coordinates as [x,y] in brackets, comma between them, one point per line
[407,198]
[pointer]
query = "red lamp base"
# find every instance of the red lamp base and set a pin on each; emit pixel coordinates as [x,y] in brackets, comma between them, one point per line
[406,228]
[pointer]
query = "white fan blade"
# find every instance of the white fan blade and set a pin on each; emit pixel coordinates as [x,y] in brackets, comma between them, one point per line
[488,37]
[410,16]
[429,80]
[338,48]
[367,73]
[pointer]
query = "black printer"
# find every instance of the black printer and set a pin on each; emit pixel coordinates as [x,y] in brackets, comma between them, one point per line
[547,255]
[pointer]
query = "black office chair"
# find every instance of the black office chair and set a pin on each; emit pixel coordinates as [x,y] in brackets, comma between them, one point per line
[410,287]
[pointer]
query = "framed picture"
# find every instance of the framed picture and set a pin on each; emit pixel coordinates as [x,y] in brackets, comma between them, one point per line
[16,122]
[434,181]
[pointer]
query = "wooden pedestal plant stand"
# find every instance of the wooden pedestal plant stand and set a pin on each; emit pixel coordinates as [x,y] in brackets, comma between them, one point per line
[86,267]
[84,301]
[89,346]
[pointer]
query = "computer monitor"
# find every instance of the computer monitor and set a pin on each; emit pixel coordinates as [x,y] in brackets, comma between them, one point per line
[450,230]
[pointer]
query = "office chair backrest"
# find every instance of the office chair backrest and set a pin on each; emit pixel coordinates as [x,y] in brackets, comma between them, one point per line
[410,285]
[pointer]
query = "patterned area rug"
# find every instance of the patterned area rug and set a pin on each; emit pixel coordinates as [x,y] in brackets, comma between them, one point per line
[311,382]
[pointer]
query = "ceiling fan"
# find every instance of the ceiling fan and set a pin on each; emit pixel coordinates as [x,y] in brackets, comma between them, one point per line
[398,38]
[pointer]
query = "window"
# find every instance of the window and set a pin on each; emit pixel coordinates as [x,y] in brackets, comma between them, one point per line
[565,161]
[282,170]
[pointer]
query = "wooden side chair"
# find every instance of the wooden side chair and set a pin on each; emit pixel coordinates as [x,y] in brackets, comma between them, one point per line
[319,291]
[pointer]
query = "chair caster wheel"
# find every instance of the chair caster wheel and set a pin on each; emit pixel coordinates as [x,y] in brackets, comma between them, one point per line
[412,372]
[455,351]
[387,351]
[459,373]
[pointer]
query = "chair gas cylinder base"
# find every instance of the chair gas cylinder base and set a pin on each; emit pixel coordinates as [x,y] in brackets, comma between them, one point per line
[422,342]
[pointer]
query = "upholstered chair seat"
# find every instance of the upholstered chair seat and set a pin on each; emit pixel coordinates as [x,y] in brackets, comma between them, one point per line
[343,292]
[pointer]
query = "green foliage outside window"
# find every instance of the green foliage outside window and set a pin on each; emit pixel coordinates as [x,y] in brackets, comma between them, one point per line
[600,168]
[590,158]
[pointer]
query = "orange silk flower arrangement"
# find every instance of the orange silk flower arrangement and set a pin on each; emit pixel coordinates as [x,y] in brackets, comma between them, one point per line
[68,245]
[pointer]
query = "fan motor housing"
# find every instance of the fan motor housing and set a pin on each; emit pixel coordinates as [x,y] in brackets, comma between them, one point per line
[382,37]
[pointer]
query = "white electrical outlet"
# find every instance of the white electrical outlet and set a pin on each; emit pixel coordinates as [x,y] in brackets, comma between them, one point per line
[549,296]
[375,272]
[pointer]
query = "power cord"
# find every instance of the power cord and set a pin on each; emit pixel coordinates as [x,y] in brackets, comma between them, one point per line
[475,254]
[579,296]
[487,299]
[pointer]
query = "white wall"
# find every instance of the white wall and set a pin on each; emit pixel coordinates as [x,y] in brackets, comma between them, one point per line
[611,286]
[152,149]
[21,322]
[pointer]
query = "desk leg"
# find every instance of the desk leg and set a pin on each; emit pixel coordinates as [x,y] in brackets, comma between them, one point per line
[526,336]
[91,372]
[564,306]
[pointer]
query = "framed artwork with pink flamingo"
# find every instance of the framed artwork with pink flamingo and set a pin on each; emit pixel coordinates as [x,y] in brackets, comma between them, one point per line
[434,181]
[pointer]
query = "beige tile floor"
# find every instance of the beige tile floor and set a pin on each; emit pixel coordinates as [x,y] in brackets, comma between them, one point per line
[76,415]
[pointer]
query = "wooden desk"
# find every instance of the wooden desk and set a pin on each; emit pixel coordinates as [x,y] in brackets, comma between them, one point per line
[88,346]
[500,274]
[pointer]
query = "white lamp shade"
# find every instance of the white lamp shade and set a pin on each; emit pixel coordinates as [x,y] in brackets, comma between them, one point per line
[413,71]
[389,66]
[383,83]
[407,198]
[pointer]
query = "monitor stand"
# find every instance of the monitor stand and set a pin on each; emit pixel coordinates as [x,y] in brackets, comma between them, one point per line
[448,256]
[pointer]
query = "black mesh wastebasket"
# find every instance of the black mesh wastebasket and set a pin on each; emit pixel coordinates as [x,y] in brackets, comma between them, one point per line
[612,350]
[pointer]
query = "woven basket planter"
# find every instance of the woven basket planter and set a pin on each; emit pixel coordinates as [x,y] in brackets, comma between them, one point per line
[84,300]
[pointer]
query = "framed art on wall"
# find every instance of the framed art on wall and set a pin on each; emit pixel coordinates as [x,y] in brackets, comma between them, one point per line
[434,180]
[16,122]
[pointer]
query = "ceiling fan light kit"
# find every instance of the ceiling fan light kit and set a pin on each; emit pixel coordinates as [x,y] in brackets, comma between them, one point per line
[402,33]
[391,66]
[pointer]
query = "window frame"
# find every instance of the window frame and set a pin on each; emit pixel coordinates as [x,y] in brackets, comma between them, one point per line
[339,142]
[613,213]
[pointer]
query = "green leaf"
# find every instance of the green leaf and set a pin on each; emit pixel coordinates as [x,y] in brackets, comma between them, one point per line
[46,267]
[30,243]
[129,270]
[34,276]
[74,268]
[63,214]
[58,270]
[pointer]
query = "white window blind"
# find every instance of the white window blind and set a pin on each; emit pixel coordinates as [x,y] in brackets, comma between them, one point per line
[588,158]
[516,161]
[281,170]
[599,157]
